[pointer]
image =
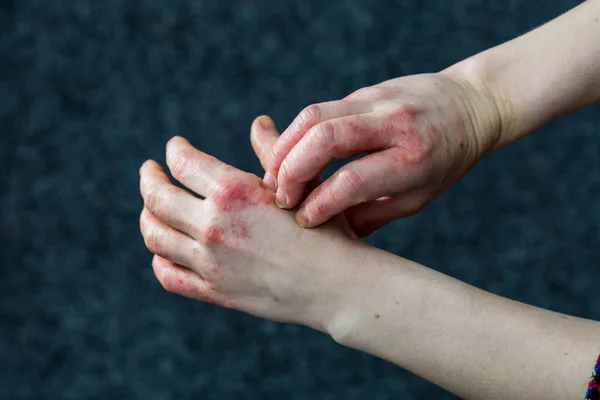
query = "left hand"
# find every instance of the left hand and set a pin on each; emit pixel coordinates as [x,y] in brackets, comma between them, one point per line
[421,133]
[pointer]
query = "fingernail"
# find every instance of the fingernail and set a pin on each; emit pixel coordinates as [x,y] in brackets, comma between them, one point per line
[269,181]
[280,200]
[266,122]
[301,218]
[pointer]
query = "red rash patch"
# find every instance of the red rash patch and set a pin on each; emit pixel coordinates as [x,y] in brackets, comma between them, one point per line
[215,234]
[235,196]
[176,280]
[239,195]
[240,230]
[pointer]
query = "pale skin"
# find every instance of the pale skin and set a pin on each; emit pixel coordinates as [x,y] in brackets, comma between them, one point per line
[424,132]
[236,248]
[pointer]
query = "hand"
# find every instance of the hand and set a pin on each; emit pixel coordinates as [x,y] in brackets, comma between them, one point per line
[233,247]
[263,136]
[422,133]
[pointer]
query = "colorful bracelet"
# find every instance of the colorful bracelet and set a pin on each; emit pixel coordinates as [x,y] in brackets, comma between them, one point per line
[593,392]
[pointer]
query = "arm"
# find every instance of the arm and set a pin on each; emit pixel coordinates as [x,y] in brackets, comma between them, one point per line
[422,133]
[236,249]
[548,72]
[468,341]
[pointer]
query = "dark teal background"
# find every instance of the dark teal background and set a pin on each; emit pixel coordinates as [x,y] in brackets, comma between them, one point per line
[89,89]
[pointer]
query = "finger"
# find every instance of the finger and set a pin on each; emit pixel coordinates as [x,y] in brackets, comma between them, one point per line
[168,203]
[165,241]
[263,136]
[338,138]
[366,218]
[309,117]
[177,279]
[392,170]
[195,169]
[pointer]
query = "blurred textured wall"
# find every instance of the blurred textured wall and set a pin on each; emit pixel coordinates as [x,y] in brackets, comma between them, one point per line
[89,89]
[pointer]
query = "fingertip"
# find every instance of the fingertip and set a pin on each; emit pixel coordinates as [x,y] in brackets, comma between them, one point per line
[266,122]
[147,165]
[159,265]
[307,217]
[301,218]
[269,182]
[177,140]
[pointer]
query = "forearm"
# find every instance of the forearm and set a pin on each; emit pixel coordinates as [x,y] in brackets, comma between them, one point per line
[548,72]
[473,343]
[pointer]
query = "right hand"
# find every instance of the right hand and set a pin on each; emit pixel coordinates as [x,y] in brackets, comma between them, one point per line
[234,247]
[422,133]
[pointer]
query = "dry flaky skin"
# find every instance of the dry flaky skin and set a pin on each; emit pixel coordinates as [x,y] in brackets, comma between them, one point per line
[235,248]
[422,133]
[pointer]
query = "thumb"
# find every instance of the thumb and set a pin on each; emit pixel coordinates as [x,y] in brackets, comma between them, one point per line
[263,135]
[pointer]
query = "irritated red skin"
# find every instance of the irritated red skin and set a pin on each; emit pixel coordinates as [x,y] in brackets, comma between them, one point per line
[215,234]
[240,229]
[235,196]
[239,195]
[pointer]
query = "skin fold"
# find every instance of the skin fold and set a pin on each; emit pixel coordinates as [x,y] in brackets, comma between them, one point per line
[225,240]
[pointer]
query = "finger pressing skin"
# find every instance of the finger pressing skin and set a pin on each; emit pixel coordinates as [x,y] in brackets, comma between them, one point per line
[338,138]
[169,204]
[165,241]
[177,279]
[195,169]
[263,136]
[309,117]
[362,180]
[366,218]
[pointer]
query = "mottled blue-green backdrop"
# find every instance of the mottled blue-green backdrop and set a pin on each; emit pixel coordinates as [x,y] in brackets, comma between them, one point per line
[89,89]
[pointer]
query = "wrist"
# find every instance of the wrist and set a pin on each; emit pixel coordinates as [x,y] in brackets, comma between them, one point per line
[542,75]
[338,265]
[495,117]
[367,297]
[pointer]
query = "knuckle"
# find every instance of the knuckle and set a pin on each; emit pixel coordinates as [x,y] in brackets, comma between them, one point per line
[350,182]
[324,134]
[154,238]
[318,208]
[407,111]
[286,173]
[153,198]
[368,93]
[273,157]
[376,93]
[310,114]
[213,233]
[156,198]
[180,163]
[220,188]
[357,93]
[160,274]
[143,221]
